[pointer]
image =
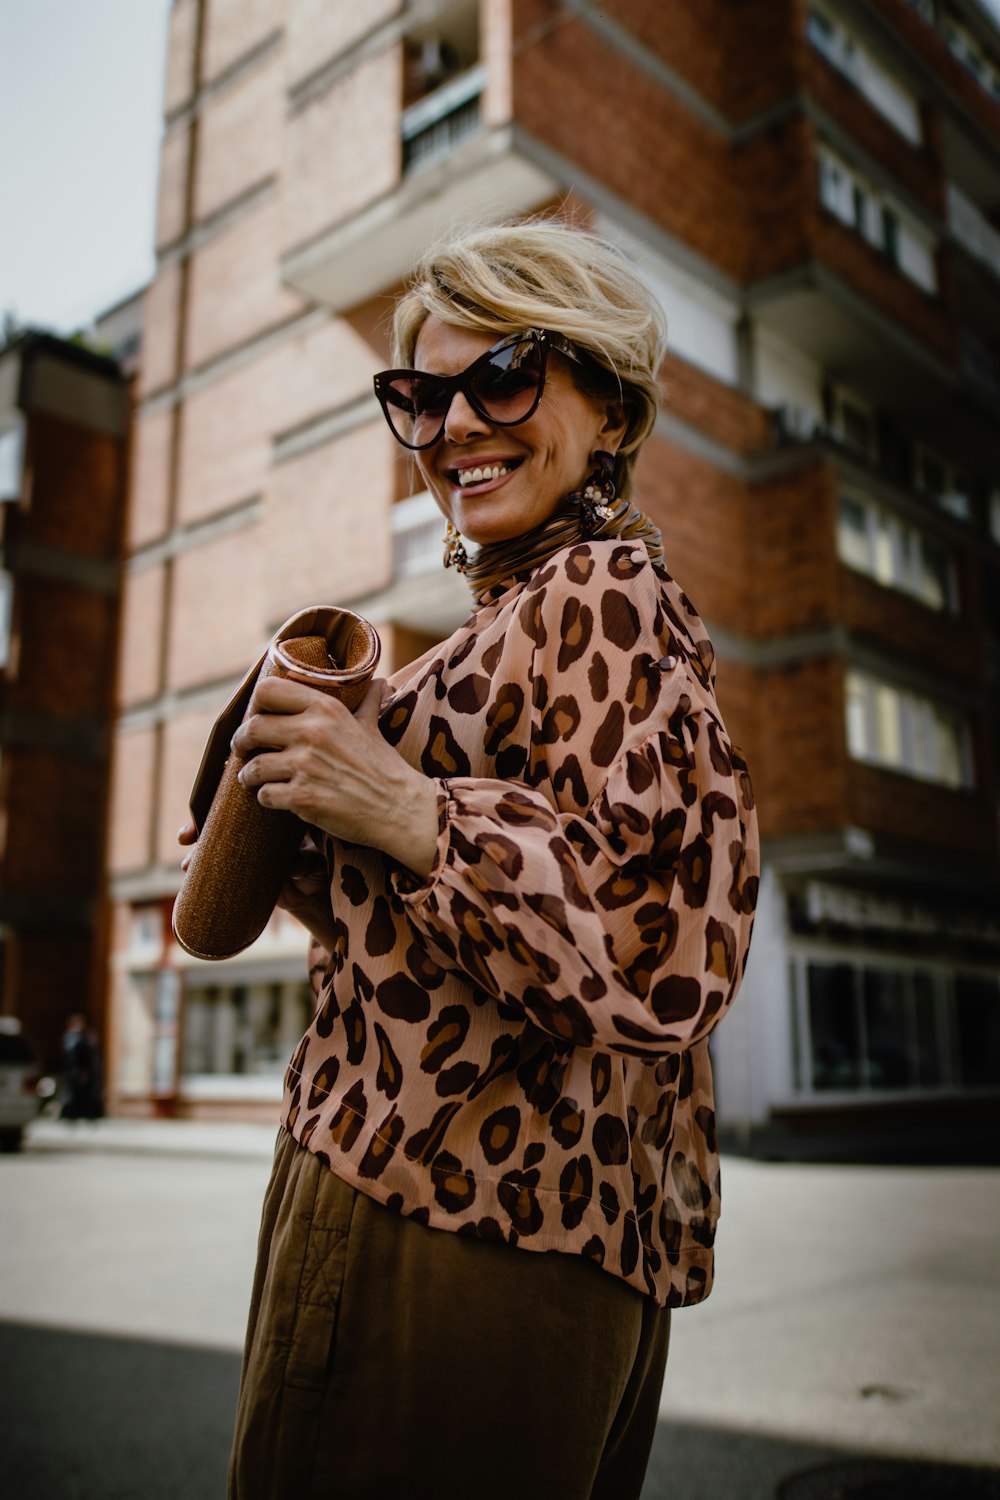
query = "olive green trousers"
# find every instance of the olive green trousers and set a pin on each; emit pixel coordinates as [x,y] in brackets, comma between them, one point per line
[389,1361]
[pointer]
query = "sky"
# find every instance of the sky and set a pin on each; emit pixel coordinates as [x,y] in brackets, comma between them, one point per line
[80,126]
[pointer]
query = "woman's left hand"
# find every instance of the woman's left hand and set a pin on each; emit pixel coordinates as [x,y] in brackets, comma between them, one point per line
[306,753]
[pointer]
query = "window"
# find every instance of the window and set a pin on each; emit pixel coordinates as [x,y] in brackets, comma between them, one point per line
[903,731]
[12,459]
[883,223]
[882,1027]
[963,45]
[943,483]
[835,187]
[874,541]
[977,1006]
[146,933]
[880,87]
[6,609]
[890,235]
[853,423]
[243,1030]
[834,1028]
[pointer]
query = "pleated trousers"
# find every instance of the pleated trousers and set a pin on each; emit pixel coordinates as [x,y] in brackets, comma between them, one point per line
[387,1360]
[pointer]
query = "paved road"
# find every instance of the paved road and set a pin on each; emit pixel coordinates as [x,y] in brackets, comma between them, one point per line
[856,1317]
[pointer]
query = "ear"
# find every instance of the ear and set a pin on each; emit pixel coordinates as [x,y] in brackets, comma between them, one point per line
[614,426]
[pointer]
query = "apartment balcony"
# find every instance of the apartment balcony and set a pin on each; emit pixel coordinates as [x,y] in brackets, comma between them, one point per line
[434,126]
[453,168]
[850,307]
[423,595]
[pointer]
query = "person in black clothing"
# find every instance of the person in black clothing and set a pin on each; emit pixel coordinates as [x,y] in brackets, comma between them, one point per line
[82,1071]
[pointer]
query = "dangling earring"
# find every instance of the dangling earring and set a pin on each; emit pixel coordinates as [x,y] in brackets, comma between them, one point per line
[596,497]
[455,555]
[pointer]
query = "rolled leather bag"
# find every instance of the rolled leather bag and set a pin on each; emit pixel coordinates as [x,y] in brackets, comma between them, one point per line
[244,851]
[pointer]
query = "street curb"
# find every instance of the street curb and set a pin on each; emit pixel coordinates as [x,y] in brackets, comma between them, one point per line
[152,1138]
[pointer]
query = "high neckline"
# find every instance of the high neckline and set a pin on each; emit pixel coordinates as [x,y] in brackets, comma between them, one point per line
[498,565]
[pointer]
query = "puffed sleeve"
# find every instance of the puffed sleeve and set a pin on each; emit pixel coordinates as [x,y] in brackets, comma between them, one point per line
[624,926]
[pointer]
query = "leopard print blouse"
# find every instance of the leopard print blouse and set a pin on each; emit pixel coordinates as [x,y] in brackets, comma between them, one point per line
[516,1048]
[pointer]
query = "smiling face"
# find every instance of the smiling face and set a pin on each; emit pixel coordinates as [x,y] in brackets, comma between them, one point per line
[495,483]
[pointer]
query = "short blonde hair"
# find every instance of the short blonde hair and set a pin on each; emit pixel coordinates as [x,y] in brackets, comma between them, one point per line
[546,274]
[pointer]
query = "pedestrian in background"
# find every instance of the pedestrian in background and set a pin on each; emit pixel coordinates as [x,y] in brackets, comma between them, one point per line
[497,1170]
[81,1071]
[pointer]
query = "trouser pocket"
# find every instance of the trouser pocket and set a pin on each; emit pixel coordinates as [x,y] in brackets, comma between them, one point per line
[294,1327]
[314,1321]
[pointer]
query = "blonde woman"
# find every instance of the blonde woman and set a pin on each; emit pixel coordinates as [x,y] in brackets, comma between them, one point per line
[497,1173]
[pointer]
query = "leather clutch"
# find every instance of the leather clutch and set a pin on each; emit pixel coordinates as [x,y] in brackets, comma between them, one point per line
[244,851]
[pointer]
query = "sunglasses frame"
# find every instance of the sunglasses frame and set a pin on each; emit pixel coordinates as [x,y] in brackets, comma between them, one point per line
[541,337]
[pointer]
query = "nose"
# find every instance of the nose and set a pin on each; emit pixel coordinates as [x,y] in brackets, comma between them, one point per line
[462,421]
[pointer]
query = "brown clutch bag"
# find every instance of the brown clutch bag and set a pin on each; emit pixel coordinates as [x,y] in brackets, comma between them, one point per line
[244,851]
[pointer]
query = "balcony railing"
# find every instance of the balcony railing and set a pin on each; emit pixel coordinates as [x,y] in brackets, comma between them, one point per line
[417,528]
[436,124]
[972,230]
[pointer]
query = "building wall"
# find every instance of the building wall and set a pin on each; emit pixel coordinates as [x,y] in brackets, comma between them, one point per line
[60,545]
[264,478]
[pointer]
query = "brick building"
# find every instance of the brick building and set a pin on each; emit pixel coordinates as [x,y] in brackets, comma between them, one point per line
[813,192]
[64,420]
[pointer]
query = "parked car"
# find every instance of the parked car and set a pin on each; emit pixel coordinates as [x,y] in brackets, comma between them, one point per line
[20,1077]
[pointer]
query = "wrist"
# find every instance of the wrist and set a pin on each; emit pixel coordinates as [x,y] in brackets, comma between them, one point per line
[411,834]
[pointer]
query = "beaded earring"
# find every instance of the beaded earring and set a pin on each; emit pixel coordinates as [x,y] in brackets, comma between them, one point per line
[455,555]
[596,497]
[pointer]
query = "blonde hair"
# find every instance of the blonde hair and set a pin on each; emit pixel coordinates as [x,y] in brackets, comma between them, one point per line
[545,274]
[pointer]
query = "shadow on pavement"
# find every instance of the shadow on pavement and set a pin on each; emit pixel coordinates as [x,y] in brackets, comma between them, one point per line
[690,1462]
[91,1417]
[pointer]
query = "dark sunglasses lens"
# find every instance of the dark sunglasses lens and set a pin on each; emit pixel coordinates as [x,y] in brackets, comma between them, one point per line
[503,386]
[506,385]
[416,406]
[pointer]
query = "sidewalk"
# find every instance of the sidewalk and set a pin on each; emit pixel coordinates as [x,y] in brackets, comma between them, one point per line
[855,1321]
[213,1138]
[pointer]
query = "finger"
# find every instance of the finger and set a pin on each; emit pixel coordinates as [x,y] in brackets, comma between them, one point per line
[279,695]
[263,769]
[262,732]
[370,707]
[188,834]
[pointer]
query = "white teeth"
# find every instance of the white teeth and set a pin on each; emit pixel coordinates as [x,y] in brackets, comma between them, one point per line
[478,475]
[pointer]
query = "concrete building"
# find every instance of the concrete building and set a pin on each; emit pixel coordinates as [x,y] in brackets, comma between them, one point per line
[813,189]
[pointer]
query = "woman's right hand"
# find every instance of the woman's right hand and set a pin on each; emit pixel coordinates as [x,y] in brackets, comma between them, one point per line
[306,893]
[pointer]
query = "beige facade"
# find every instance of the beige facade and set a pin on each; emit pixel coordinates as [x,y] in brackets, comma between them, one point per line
[830,425]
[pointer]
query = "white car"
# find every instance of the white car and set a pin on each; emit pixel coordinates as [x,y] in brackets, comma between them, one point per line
[19,1079]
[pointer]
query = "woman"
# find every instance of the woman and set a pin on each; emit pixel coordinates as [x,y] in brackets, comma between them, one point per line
[539,871]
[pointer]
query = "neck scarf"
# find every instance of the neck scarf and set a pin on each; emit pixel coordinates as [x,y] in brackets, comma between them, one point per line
[502,563]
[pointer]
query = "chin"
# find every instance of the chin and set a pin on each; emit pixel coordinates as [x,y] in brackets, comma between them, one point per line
[483,526]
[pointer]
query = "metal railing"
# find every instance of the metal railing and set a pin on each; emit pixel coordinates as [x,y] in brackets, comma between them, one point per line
[417,527]
[439,122]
